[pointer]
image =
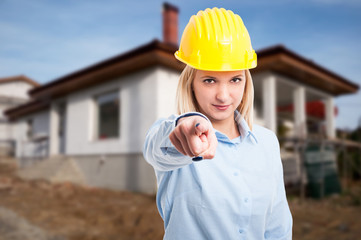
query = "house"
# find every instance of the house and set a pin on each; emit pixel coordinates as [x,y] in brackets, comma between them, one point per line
[13,92]
[92,123]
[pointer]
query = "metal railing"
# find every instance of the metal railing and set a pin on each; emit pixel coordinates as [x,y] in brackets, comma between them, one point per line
[7,148]
[34,150]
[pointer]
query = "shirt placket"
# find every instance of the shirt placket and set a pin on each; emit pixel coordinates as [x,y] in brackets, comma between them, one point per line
[244,194]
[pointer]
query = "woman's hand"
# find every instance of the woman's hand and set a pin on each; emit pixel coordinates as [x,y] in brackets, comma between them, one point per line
[194,136]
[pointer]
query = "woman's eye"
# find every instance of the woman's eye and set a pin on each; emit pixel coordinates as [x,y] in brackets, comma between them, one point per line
[209,80]
[236,80]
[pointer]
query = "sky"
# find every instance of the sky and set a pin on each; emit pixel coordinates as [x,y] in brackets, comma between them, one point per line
[47,39]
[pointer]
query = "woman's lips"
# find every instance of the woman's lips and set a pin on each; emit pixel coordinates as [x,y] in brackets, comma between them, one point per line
[221,107]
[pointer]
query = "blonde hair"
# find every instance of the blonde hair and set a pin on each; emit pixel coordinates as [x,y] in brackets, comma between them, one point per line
[186,101]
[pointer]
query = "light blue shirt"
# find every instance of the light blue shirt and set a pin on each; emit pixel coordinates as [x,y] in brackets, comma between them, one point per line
[239,194]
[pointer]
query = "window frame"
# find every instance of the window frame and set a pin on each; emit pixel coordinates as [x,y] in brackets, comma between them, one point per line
[96,126]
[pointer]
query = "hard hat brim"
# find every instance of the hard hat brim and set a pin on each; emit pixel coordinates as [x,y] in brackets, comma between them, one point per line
[220,67]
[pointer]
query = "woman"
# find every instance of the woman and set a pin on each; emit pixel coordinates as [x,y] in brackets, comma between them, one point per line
[219,175]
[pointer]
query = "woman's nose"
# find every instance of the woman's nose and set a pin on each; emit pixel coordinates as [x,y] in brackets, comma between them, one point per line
[222,93]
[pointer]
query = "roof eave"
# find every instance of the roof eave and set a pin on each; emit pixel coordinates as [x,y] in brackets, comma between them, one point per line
[22,78]
[147,55]
[284,61]
[27,108]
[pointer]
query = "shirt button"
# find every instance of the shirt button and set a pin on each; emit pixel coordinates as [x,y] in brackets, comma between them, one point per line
[240,230]
[235,174]
[246,200]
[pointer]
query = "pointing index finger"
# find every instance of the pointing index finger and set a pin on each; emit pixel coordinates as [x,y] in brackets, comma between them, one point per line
[200,129]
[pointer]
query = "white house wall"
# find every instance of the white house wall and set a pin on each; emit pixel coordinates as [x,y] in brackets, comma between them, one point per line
[5,126]
[5,131]
[25,147]
[167,82]
[138,111]
[3,107]
[17,89]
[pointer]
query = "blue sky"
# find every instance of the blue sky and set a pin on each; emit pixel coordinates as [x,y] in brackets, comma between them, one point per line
[48,39]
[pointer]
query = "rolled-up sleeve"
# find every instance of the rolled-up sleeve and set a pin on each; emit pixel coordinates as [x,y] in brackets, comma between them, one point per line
[279,223]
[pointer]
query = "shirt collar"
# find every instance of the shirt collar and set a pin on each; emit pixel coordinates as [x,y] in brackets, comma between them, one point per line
[243,127]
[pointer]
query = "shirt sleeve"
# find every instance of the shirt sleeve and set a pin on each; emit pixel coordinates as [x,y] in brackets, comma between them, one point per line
[279,223]
[159,151]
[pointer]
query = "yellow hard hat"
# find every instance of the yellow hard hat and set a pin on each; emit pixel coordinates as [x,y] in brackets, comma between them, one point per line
[216,40]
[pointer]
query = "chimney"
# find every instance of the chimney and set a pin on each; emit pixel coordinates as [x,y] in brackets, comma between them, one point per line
[170,24]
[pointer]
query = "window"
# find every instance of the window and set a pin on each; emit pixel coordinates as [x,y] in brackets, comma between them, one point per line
[108,115]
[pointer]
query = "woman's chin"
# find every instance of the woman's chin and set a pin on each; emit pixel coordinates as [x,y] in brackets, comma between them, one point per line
[220,115]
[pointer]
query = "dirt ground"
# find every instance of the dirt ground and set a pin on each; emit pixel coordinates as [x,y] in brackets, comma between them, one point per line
[67,211]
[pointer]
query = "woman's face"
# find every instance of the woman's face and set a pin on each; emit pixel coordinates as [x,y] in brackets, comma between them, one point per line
[218,94]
